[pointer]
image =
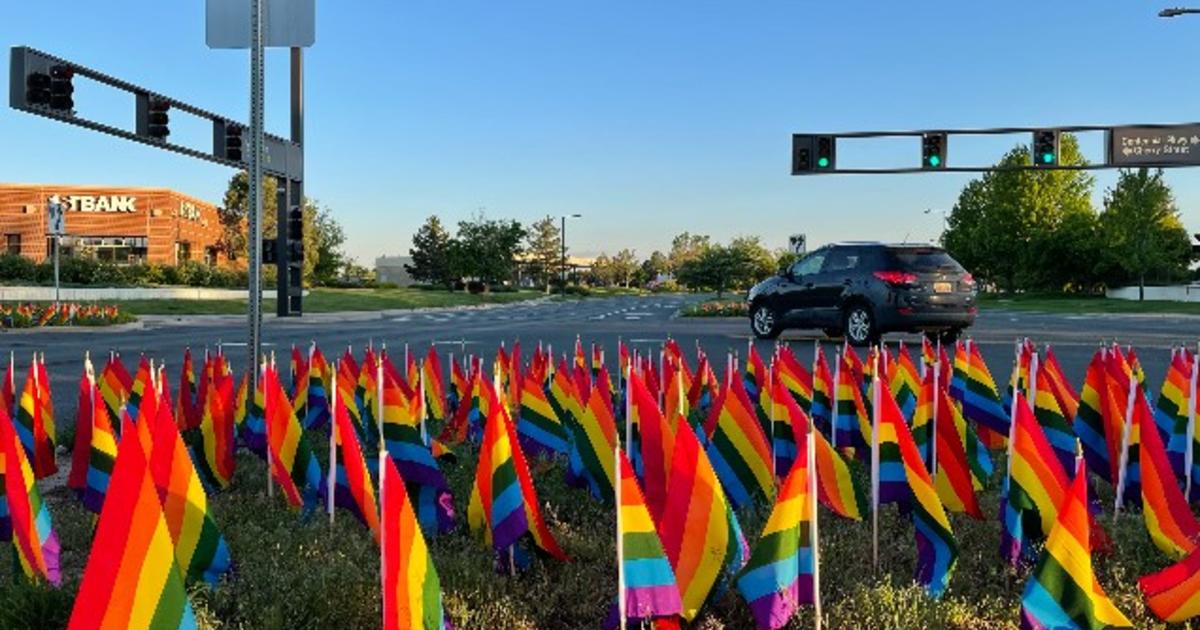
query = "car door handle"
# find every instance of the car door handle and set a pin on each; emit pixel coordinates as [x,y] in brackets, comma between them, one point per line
[847,282]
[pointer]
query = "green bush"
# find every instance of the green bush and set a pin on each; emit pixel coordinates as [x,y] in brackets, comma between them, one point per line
[108,275]
[16,268]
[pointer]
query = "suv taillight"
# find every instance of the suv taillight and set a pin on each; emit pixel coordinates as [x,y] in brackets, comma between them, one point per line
[968,279]
[896,278]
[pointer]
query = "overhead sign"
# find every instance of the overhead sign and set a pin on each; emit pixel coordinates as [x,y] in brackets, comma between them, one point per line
[56,224]
[1142,146]
[286,23]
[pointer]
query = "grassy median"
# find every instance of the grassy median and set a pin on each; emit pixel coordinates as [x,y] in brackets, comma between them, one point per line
[321,300]
[1074,303]
[291,573]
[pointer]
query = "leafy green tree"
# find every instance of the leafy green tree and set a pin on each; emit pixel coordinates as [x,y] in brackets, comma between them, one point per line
[711,270]
[750,262]
[624,266]
[1142,230]
[602,273]
[331,258]
[486,249]
[431,254]
[685,247]
[234,215]
[652,268]
[1006,223]
[544,247]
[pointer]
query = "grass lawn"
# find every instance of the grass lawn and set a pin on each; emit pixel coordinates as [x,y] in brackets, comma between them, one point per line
[296,573]
[321,300]
[1061,303]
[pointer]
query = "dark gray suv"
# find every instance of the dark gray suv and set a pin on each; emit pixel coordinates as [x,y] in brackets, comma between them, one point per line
[862,290]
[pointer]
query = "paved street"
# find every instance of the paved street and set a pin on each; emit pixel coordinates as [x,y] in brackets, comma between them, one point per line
[642,321]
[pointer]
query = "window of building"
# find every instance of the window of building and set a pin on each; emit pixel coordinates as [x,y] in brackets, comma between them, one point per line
[183,251]
[12,243]
[210,256]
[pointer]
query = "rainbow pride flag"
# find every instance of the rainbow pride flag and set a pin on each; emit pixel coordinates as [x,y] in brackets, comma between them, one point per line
[412,593]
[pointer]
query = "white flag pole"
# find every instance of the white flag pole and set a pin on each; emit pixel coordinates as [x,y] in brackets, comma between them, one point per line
[814,536]
[330,481]
[424,404]
[875,411]
[1124,454]
[833,412]
[1012,412]
[937,394]
[266,429]
[1189,448]
[770,385]
[620,546]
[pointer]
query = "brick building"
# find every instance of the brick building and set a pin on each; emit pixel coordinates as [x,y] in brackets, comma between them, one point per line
[114,224]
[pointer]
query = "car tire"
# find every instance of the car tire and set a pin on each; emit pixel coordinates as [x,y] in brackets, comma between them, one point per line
[859,325]
[764,322]
[832,333]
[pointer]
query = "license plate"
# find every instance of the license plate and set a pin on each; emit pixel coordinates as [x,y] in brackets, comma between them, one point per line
[943,287]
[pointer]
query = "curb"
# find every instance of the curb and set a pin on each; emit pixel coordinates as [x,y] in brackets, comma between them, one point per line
[77,330]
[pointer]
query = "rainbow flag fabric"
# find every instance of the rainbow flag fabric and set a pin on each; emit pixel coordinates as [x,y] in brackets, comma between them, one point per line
[1173,594]
[1062,591]
[35,543]
[412,593]
[778,579]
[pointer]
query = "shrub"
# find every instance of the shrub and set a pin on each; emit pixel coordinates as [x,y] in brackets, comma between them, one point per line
[16,268]
[74,270]
[108,275]
[718,308]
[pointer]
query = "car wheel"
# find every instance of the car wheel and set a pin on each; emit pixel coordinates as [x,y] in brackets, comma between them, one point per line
[832,333]
[764,322]
[859,324]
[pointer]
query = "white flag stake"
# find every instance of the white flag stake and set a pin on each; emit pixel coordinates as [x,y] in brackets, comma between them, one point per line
[329,482]
[937,393]
[1012,413]
[423,403]
[875,411]
[814,536]
[833,411]
[266,428]
[383,455]
[770,385]
[617,503]
[628,407]
[1124,460]
[1189,450]
[379,400]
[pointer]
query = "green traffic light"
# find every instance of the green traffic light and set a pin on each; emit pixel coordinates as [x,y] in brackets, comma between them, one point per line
[1047,158]
[823,162]
[935,160]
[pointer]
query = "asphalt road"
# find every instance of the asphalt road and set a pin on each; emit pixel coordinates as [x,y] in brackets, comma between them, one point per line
[641,321]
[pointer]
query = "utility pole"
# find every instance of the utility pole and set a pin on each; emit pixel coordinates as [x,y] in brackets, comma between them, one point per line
[254,201]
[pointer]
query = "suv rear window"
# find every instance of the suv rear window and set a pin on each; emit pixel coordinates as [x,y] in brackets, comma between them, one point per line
[923,259]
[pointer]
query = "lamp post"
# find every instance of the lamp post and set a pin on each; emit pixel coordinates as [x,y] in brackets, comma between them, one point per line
[945,219]
[563,239]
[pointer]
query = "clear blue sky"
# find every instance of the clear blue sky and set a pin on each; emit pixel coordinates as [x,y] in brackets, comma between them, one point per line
[649,118]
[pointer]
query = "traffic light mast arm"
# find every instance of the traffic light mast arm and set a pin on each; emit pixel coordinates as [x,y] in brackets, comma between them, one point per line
[283,157]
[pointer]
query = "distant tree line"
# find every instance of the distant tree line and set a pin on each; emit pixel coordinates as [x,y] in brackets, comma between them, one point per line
[491,251]
[1038,231]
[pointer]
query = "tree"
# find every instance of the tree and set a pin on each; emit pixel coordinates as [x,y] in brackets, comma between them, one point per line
[624,266]
[431,254]
[234,215]
[749,261]
[685,247]
[1141,229]
[486,249]
[652,268]
[331,259]
[712,269]
[602,271]
[544,245]
[1006,223]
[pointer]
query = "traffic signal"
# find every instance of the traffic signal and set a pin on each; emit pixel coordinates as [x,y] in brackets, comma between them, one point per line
[802,150]
[37,88]
[933,150]
[270,252]
[157,119]
[1045,147]
[295,229]
[826,153]
[233,142]
[61,89]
